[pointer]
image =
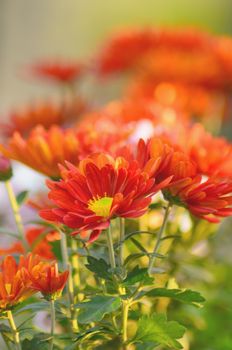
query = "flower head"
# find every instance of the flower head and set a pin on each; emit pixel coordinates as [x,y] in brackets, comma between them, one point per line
[126,49]
[207,200]
[44,113]
[102,188]
[47,280]
[14,284]
[44,149]
[212,155]
[5,168]
[61,72]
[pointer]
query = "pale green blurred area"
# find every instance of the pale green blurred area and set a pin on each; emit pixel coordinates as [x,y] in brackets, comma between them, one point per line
[35,29]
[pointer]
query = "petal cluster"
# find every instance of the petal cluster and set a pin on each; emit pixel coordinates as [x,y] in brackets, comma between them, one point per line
[102,188]
[18,281]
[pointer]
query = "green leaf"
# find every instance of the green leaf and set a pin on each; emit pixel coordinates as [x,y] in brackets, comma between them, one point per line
[34,307]
[99,267]
[97,307]
[56,249]
[186,296]
[156,329]
[138,275]
[139,245]
[21,197]
[147,346]
[27,333]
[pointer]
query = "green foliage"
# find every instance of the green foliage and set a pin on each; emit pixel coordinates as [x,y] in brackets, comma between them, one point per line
[99,267]
[97,307]
[21,197]
[138,275]
[156,330]
[185,296]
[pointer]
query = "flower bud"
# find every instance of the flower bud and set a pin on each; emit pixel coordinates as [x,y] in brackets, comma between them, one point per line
[5,168]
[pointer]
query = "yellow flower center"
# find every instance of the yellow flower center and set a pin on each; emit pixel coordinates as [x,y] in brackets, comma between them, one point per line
[8,288]
[101,206]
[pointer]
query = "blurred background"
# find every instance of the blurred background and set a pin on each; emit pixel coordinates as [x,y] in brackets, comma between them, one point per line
[47,29]
[31,30]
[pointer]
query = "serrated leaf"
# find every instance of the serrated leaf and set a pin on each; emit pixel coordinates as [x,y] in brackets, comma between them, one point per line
[21,197]
[97,307]
[147,346]
[138,275]
[99,267]
[186,296]
[156,329]
[27,333]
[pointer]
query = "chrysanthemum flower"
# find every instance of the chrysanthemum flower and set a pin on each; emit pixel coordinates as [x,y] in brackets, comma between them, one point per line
[127,48]
[44,149]
[212,155]
[43,113]
[47,280]
[61,72]
[101,188]
[14,284]
[191,100]
[38,241]
[208,200]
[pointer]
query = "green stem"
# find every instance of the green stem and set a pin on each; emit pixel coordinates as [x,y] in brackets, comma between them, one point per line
[125,310]
[159,237]
[70,286]
[121,239]
[17,216]
[110,247]
[14,330]
[75,266]
[53,321]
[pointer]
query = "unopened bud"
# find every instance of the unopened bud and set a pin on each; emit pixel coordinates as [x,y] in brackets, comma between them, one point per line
[5,168]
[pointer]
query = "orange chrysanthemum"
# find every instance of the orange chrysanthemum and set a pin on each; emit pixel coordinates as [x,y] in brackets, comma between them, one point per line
[101,188]
[61,72]
[44,149]
[127,48]
[206,199]
[212,155]
[38,242]
[47,280]
[14,284]
[192,100]
[44,113]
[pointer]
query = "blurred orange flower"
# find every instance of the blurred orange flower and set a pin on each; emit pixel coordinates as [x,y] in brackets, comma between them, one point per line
[38,241]
[61,72]
[124,50]
[212,155]
[44,149]
[44,113]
